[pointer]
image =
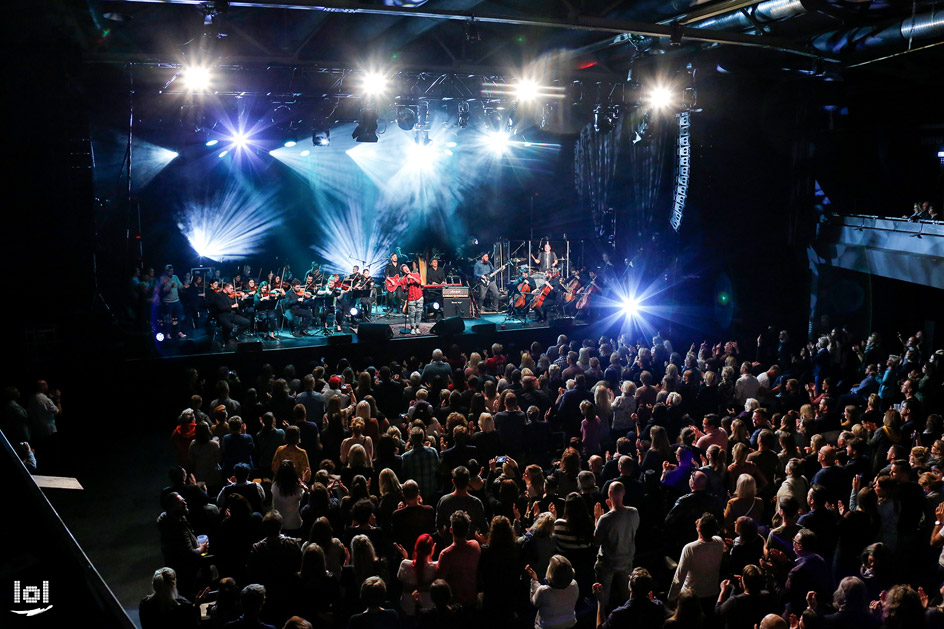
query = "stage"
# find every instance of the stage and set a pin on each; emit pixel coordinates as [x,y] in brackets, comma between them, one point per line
[476,334]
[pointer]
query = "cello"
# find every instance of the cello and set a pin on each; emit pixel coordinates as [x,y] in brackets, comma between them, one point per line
[542,294]
[571,288]
[586,293]
[521,300]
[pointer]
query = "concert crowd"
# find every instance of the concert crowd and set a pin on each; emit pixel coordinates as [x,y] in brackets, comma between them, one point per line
[593,483]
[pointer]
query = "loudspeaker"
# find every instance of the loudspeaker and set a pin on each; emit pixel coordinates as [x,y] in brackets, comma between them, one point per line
[374,332]
[561,322]
[249,347]
[449,327]
[457,307]
[340,339]
[485,328]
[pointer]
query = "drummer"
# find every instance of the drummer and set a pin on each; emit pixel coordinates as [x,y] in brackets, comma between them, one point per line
[546,260]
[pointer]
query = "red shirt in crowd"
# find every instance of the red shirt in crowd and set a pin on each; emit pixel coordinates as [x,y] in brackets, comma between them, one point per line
[459,566]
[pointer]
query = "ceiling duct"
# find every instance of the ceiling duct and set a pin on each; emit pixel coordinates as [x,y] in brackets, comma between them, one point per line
[858,39]
[770,11]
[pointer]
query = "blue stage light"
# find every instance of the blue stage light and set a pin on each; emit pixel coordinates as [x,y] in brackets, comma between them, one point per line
[212,142]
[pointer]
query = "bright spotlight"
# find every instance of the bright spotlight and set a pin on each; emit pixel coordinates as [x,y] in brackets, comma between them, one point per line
[289,144]
[660,97]
[494,119]
[173,154]
[497,142]
[353,312]
[374,83]
[422,154]
[526,90]
[436,305]
[223,153]
[305,153]
[213,142]
[197,78]
[159,337]
[630,307]
[447,152]
[240,139]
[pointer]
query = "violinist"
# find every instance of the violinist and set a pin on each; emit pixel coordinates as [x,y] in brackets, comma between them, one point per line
[264,303]
[247,299]
[363,292]
[225,308]
[247,277]
[300,306]
[346,293]
[331,311]
[411,283]
[521,292]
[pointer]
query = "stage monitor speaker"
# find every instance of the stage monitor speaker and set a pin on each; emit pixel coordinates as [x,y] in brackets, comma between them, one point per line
[340,339]
[485,328]
[449,327]
[249,347]
[561,322]
[374,332]
[457,307]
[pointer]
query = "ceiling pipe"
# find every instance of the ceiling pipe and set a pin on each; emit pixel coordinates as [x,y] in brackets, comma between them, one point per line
[851,40]
[770,11]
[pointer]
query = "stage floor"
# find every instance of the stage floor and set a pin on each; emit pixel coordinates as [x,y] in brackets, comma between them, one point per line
[198,342]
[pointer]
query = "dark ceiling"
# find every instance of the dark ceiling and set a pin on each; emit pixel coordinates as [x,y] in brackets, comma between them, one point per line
[597,38]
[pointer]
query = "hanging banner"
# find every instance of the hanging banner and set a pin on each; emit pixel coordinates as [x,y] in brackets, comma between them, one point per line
[683,157]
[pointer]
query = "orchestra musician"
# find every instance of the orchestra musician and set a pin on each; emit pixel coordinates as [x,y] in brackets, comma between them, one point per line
[546,260]
[346,298]
[391,270]
[300,306]
[264,303]
[550,299]
[330,310]
[487,285]
[411,283]
[223,305]
[522,290]
[247,278]
[167,295]
[364,292]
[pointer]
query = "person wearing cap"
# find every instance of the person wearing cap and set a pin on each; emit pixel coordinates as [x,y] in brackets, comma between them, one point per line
[335,388]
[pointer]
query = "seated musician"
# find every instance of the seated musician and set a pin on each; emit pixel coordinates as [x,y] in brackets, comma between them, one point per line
[435,274]
[264,303]
[299,304]
[550,295]
[225,308]
[521,290]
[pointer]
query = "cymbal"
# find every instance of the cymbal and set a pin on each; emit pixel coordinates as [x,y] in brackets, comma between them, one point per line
[517,260]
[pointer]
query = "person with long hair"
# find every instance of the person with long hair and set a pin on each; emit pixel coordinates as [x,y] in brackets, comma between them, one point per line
[357,436]
[744,503]
[416,574]
[499,572]
[740,465]
[574,531]
[288,493]
[165,607]
[688,613]
[566,473]
[318,588]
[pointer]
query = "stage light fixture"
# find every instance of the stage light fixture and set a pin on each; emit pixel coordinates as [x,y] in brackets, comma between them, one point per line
[289,144]
[374,84]
[240,139]
[159,337]
[366,129]
[354,312]
[197,78]
[212,142]
[436,305]
[223,153]
[305,153]
[464,114]
[406,117]
[660,97]
[604,118]
[321,137]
